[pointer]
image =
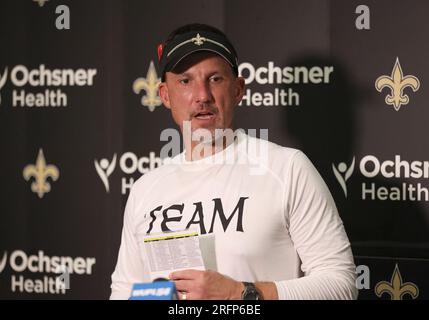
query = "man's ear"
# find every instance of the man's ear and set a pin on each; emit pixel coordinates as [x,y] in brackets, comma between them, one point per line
[163,94]
[239,89]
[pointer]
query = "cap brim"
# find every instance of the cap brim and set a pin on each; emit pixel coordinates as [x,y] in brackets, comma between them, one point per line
[196,50]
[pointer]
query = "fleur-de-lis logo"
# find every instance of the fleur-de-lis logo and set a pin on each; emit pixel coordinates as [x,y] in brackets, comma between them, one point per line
[395,288]
[397,83]
[40,171]
[150,85]
[342,173]
[198,40]
[41,2]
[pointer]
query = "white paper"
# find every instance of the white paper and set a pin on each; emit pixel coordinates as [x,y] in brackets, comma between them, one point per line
[172,251]
[208,251]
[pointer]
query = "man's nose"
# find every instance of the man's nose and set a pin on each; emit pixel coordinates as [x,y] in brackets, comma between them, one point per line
[202,92]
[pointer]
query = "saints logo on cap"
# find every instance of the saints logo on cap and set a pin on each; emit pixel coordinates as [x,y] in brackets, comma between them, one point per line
[198,40]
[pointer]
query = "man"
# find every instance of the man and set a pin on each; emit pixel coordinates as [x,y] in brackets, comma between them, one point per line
[277,231]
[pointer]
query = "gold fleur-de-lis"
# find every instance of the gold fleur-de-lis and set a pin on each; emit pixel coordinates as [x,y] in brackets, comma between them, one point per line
[40,172]
[41,2]
[395,288]
[150,85]
[198,40]
[397,83]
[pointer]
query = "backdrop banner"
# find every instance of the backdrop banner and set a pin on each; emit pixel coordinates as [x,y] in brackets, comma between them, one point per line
[81,120]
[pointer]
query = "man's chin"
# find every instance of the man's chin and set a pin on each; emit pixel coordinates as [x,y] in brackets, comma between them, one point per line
[207,135]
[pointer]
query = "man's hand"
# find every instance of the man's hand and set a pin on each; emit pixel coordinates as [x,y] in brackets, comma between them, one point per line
[198,285]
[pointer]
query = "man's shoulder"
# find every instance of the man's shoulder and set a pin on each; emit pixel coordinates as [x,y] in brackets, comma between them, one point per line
[274,150]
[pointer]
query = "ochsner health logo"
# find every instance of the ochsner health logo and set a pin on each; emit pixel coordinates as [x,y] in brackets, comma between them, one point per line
[394,179]
[49,274]
[273,85]
[342,173]
[105,169]
[42,86]
[3,78]
[129,164]
[3,262]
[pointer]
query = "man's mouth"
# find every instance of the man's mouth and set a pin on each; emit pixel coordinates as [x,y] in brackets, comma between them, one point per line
[204,115]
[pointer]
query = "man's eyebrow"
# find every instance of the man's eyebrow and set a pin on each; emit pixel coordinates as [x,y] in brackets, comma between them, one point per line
[214,73]
[184,74]
[209,74]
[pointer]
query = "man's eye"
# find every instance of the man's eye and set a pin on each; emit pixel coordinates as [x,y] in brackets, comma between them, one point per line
[184,81]
[215,78]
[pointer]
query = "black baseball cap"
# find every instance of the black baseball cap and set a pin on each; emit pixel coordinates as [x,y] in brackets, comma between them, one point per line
[182,45]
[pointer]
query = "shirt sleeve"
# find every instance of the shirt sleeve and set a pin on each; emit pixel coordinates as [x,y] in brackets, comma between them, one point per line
[319,238]
[129,268]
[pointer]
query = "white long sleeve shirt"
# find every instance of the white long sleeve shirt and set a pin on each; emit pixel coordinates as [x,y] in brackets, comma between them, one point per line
[273,217]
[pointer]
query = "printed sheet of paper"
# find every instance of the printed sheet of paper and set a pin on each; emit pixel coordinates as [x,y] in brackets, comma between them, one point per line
[173,251]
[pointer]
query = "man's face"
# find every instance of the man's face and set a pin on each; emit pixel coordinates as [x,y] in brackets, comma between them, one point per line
[202,89]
